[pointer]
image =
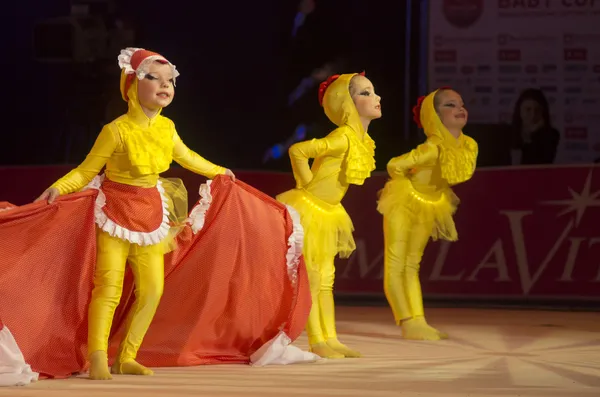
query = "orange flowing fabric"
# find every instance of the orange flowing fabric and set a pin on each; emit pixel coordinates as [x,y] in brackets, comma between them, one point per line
[228,288]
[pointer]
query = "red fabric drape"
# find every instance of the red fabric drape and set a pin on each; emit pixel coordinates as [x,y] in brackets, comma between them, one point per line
[227,289]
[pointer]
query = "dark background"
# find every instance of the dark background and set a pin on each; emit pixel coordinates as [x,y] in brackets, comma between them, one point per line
[238,64]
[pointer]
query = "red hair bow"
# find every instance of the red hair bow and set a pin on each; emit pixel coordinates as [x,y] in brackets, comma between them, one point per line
[324,85]
[417,108]
[417,111]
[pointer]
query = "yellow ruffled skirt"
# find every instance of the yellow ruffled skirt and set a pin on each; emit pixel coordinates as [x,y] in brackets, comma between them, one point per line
[399,198]
[327,228]
[177,205]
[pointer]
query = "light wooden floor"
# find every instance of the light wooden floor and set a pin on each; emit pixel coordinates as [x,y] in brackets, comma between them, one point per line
[492,353]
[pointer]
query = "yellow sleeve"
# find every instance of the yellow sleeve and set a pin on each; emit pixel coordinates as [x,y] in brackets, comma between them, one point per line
[103,148]
[425,153]
[301,152]
[192,161]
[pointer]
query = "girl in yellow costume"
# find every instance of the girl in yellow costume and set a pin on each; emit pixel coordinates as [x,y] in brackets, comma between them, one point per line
[135,210]
[418,203]
[342,158]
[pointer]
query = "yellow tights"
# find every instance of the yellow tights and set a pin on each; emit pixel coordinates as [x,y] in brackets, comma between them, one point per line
[147,265]
[405,242]
[322,335]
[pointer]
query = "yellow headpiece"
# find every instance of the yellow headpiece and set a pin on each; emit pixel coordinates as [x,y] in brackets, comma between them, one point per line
[458,156]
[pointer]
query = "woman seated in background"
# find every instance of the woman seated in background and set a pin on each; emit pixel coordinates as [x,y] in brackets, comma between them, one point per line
[534,138]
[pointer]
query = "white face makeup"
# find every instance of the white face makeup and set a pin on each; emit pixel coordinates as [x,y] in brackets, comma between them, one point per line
[367,102]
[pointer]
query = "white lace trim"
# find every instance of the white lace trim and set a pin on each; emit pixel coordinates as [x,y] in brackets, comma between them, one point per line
[142,70]
[14,371]
[124,59]
[109,226]
[198,214]
[296,244]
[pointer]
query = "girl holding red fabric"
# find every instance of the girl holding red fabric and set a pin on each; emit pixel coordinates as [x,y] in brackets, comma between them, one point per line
[135,211]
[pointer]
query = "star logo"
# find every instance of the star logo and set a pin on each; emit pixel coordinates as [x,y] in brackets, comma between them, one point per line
[578,202]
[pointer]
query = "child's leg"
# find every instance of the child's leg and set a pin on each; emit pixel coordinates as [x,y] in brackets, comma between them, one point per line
[147,265]
[111,258]
[395,233]
[316,337]
[417,327]
[327,307]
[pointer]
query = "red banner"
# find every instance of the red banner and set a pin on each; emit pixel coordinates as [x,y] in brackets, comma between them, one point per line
[524,232]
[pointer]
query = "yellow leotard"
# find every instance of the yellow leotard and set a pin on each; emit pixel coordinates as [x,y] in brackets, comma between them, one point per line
[344,157]
[418,204]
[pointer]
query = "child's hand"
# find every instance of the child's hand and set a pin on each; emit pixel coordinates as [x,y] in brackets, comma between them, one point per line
[49,194]
[230,174]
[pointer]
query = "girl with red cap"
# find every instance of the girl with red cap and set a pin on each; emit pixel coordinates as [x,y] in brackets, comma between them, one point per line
[135,211]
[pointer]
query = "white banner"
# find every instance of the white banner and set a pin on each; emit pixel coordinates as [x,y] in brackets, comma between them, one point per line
[491,50]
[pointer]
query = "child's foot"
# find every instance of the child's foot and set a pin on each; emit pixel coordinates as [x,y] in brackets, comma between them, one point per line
[130,368]
[324,351]
[342,349]
[99,366]
[442,334]
[418,329]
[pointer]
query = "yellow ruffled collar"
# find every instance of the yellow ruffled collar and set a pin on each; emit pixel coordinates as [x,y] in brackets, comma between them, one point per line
[458,157]
[340,109]
[360,161]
